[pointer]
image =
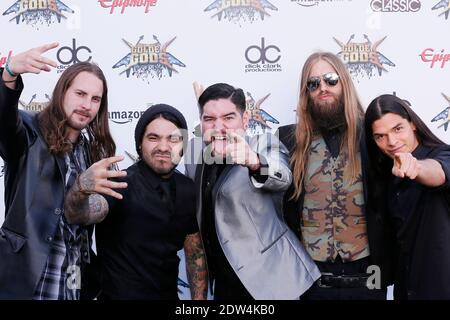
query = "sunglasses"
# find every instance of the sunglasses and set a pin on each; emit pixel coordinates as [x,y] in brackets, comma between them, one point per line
[331,79]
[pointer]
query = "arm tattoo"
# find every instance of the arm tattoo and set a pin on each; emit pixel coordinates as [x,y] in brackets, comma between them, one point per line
[98,208]
[196,266]
[82,208]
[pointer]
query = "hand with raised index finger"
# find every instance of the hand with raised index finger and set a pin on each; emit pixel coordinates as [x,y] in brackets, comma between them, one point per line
[405,165]
[95,179]
[240,152]
[32,61]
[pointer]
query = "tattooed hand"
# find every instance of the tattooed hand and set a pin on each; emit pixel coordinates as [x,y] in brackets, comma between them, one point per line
[84,203]
[95,179]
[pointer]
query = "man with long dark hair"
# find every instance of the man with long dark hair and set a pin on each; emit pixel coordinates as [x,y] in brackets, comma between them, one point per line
[326,204]
[42,255]
[412,167]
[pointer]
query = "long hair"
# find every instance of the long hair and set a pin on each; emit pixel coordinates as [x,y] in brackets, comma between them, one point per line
[53,119]
[354,114]
[381,164]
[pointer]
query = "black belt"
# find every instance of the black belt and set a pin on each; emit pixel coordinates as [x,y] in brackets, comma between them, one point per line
[329,280]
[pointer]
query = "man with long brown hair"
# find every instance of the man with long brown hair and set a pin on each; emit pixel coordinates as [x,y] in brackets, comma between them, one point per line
[42,255]
[326,205]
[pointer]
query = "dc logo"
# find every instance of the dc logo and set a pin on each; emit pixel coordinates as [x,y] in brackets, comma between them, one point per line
[262,54]
[68,55]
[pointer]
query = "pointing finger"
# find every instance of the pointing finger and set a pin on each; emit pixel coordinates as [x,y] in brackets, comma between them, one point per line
[47,47]
[116,174]
[110,192]
[115,185]
[111,160]
[235,137]
[397,160]
[48,62]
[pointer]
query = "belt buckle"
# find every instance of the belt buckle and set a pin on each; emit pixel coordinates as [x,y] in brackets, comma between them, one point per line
[319,281]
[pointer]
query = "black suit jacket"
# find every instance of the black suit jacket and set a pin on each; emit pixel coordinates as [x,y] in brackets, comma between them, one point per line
[380,232]
[34,201]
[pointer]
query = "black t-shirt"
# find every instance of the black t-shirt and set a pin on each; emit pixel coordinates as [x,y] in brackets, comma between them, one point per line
[421,216]
[227,283]
[138,241]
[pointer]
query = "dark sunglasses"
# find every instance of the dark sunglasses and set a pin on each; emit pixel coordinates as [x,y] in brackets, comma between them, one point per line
[331,79]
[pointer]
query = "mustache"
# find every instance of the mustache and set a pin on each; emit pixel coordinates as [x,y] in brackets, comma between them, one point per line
[83,113]
[161,153]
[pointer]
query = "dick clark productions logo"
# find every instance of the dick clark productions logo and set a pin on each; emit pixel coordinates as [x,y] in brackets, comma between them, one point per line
[263,57]
[71,54]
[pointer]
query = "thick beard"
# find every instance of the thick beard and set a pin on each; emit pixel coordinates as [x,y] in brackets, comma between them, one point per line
[327,116]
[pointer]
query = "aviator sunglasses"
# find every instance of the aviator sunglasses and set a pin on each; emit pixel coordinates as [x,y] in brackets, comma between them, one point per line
[331,79]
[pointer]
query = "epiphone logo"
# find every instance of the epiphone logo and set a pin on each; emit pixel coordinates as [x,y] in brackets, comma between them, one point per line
[124,4]
[429,55]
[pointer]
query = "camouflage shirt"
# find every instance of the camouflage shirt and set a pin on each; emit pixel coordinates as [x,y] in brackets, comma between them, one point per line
[332,219]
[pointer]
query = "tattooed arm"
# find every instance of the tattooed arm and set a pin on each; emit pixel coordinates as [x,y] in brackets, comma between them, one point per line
[84,203]
[196,266]
[83,208]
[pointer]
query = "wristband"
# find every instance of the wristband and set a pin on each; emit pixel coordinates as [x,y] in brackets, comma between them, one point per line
[12,74]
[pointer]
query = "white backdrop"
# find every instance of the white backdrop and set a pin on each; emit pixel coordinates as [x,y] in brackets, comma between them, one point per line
[257,45]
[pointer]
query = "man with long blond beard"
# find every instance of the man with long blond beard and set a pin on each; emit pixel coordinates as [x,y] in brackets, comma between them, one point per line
[326,205]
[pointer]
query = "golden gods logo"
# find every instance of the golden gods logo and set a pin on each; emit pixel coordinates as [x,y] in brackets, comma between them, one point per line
[149,59]
[258,117]
[34,105]
[445,5]
[362,58]
[444,115]
[240,10]
[35,12]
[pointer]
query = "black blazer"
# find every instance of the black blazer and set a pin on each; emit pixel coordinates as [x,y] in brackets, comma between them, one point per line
[380,232]
[34,200]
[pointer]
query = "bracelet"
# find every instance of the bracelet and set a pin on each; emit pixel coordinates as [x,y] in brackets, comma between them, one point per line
[12,74]
[80,189]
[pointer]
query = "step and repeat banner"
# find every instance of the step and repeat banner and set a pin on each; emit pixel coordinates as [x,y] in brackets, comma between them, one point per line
[152,51]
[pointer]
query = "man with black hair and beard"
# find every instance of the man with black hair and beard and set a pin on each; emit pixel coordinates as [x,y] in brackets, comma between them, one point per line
[147,223]
[327,203]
